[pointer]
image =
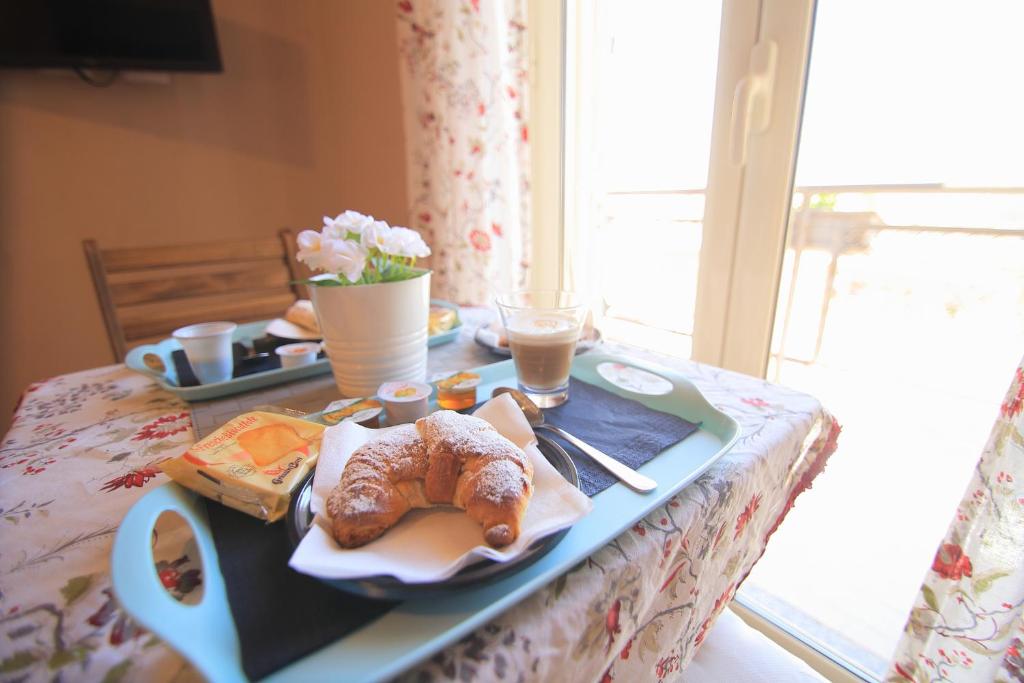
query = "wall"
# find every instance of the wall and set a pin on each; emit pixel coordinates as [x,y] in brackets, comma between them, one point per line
[304,121]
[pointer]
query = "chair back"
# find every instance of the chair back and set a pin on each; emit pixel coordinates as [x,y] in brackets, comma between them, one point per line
[145,293]
[300,271]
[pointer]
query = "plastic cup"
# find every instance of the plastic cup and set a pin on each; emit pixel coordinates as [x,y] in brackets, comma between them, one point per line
[297,355]
[208,349]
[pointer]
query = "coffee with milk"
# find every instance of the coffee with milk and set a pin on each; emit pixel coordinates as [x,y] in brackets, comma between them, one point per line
[543,344]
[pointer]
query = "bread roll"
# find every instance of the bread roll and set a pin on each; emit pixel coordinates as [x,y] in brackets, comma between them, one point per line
[302,314]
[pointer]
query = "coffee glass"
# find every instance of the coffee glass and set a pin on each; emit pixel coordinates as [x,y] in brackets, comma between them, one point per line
[542,328]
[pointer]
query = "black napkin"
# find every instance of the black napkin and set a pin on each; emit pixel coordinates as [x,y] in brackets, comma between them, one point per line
[628,431]
[280,614]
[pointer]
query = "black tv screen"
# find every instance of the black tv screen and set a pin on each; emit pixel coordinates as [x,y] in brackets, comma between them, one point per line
[163,35]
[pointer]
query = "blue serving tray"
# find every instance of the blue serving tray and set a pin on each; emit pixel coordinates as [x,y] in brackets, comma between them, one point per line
[167,377]
[416,629]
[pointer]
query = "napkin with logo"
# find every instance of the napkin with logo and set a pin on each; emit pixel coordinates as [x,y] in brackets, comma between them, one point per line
[626,430]
[433,544]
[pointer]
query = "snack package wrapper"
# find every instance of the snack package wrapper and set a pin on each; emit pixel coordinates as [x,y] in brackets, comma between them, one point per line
[252,463]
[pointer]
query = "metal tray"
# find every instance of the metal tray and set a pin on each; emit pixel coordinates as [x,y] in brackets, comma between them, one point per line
[300,519]
[416,629]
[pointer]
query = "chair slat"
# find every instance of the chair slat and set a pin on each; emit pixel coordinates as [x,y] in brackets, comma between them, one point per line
[115,260]
[161,284]
[146,293]
[149,319]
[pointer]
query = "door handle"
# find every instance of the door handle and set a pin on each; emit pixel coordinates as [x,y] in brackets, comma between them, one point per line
[752,100]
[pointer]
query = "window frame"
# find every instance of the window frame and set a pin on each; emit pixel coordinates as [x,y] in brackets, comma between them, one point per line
[746,205]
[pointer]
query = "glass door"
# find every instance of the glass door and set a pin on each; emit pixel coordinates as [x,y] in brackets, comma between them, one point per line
[901,304]
[669,106]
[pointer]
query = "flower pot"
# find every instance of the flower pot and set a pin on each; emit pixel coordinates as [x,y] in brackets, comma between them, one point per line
[374,333]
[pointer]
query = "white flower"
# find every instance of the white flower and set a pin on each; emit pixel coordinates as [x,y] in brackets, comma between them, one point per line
[344,257]
[375,235]
[319,252]
[405,242]
[310,244]
[344,223]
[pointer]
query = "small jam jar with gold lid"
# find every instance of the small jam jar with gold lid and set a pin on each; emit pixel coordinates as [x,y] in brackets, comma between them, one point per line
[457,391]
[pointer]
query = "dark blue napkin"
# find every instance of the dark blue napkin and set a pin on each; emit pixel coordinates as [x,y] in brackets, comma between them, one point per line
[628,431]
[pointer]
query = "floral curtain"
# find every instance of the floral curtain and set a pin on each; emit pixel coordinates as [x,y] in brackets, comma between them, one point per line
[966,623]
[464,81]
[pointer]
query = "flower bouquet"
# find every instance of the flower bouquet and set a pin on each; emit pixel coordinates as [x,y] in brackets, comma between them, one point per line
[371,300]
[358,250]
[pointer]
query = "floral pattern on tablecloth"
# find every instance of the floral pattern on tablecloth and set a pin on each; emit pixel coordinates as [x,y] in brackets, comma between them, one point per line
[464,78]
[81,450]
[84,447]
[966,624]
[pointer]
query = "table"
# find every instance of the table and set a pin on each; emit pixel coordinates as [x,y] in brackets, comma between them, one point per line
[85,446]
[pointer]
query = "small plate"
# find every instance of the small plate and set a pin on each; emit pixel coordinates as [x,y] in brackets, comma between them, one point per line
[582,346]
[286,329]
[300,519]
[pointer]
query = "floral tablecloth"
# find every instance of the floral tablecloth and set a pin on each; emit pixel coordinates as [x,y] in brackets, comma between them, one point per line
[85,446]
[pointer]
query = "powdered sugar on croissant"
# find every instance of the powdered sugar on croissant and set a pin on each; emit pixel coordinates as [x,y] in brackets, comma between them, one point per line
[444,459]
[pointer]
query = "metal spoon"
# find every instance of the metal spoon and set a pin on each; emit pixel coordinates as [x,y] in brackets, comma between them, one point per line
[535,416]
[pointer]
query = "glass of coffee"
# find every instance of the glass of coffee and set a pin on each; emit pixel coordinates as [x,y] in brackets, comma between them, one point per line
[542,328]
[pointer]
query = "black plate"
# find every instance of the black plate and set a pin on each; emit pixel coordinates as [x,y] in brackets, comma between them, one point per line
[300,518]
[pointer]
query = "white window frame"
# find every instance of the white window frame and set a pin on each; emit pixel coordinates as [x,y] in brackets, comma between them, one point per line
[547,36]
[747,209]
[747,204]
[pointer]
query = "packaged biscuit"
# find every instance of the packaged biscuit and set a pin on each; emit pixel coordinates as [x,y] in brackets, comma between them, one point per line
[252,463]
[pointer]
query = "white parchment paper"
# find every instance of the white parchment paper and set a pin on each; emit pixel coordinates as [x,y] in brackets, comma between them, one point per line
[433,544]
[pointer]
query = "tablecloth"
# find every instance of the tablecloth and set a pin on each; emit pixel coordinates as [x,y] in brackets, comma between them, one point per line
[85,446]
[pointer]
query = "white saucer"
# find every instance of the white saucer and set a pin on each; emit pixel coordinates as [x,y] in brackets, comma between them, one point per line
[279,327]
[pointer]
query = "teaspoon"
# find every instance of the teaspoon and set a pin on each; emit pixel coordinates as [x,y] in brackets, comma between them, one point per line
[535,416]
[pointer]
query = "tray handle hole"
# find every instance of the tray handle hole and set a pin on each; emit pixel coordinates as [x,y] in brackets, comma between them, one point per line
[176,558]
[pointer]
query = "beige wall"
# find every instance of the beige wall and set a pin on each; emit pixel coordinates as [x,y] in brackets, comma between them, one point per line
[305,120]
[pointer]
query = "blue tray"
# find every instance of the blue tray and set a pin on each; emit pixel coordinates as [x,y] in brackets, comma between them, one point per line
[155,361]
[416,629]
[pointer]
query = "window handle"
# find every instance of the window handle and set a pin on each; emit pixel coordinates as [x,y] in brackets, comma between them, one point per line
[752,100]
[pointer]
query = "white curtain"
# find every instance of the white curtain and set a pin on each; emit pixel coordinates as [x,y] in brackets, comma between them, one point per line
[464,83]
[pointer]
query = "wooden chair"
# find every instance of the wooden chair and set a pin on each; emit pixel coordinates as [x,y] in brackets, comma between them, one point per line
[300,271]
[145,293]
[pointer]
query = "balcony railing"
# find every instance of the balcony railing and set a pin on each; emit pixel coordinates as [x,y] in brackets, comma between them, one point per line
[839,220]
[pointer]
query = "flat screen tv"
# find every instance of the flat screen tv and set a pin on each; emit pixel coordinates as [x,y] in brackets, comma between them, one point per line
[162,35]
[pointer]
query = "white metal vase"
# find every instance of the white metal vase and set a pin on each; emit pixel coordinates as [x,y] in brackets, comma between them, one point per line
[374,333]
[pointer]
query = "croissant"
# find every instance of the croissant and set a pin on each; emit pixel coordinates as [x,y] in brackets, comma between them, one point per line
[444,459]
